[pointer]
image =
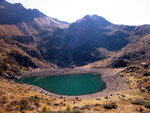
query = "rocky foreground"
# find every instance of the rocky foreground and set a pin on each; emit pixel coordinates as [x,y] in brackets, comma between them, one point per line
[131,94]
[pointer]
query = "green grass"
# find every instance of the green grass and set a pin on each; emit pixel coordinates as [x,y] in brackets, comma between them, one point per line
[35,97]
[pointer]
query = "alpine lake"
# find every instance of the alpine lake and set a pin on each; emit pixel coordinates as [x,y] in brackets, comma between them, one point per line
[71,85]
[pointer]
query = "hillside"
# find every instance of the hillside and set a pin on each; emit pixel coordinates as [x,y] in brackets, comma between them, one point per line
[20,31]
[48,42]
[19,98]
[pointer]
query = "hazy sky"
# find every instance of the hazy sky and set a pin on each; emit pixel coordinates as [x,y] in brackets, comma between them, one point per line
[130,12]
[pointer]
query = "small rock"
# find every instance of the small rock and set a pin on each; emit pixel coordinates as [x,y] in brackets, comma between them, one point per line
[110,106]
[56,104]
[77,98]
[50,104]
[32,106]
[98,99]
[97,105]
[140,109]
[145,65]
[61,97]
[75,108]
[146,74]
[85,107]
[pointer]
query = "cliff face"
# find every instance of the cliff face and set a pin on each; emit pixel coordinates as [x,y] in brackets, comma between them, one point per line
[46,42]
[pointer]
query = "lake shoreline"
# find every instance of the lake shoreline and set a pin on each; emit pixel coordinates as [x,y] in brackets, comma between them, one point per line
[114,82]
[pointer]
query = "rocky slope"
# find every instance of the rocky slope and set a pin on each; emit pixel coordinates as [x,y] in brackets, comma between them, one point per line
[93,38]
[20,31]
[30,39]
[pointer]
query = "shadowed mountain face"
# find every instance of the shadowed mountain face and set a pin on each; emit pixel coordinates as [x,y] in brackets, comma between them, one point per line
[21,32]
[46,42]
[83,41]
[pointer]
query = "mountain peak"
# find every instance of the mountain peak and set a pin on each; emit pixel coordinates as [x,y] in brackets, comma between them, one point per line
[92,17]
[18,6]
[95,19]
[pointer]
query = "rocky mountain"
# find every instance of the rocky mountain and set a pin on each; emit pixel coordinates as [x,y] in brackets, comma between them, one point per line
[21,31]
[30,39]
[90,39]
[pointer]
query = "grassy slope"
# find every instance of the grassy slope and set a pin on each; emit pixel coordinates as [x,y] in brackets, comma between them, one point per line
[17,97]
[23,39]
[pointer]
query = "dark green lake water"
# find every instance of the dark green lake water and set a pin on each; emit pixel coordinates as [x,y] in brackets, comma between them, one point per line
[68,84]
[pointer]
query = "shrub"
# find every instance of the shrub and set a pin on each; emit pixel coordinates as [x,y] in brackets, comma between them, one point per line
[14,103]
[137,102]
[75,108]
[35,97]
[24,104]
[141,102]
[110,106]
[68,108]
[3,100]
[147,104]
[23,107]
[37,104]
[146,74]
[85,107]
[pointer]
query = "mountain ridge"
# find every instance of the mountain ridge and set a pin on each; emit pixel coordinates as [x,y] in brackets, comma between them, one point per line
[49,42]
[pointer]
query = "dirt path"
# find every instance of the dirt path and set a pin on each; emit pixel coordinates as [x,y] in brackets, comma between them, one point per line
[114,82]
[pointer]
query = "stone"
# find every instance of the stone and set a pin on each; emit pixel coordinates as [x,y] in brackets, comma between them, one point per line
[85,107]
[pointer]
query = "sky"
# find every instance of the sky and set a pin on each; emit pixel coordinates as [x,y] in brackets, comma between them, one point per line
[127,12]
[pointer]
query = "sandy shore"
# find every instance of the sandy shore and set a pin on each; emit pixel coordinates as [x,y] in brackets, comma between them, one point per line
[114,82]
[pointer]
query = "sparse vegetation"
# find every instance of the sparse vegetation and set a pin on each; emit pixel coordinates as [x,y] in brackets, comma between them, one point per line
[110,106]
[68,108]
[137,102]
[147,105]
[35,97]
[141,102]
[24,104]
